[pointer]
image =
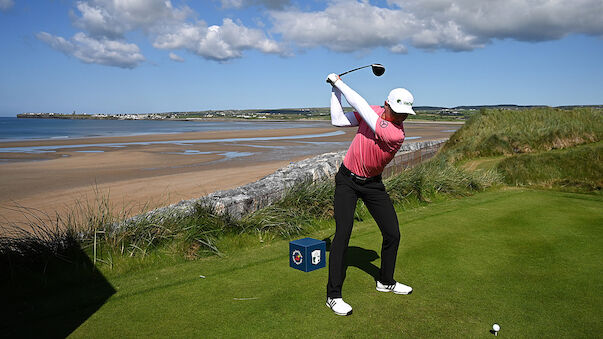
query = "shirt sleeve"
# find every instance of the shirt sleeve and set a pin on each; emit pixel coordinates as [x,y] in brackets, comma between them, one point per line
[359,104]
[338,117]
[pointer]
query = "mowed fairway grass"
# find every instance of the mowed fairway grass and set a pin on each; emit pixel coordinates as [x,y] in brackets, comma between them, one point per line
[526,259]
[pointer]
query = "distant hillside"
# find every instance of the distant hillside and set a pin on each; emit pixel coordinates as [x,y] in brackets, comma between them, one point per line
[501,106]
[512,106]
[428,108]
[427,112]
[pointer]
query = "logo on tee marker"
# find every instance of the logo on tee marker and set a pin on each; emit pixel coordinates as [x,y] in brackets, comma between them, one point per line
[297,257]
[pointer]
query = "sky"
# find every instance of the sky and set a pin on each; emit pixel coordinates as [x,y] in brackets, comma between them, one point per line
[140,56]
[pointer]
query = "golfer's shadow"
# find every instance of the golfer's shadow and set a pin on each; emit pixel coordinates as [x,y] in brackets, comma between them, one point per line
[360,258]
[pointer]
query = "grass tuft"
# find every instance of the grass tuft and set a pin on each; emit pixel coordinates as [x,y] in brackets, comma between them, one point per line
[436,177]
[296,211]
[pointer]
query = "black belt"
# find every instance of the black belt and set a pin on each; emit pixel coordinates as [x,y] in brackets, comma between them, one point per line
[358,179]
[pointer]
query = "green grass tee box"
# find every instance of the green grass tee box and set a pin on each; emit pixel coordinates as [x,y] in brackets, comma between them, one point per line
[528,260]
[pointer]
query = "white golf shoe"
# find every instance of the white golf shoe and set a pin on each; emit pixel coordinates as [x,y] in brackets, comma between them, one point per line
[339,306]
[396,288]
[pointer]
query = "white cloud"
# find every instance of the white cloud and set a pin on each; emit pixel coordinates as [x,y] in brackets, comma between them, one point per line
[56,42]
[525,20]
[98,22]
[444,35]
[5,5]
[113,18]
[273,4]
[344,26]
[175,57]
[353,25]
[96,51]
[168,27]
[218,43]
[399,49]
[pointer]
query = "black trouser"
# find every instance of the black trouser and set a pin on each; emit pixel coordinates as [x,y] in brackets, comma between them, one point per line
[376,199]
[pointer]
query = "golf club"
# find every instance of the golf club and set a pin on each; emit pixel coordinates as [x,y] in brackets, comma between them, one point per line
[378,69]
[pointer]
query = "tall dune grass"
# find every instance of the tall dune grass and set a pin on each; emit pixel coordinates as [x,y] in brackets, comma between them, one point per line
[507,132]
[574,169]
[296,211]
[35,249]
[437,177]
[42,239]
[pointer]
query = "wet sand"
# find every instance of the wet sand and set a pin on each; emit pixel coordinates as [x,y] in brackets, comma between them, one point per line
[148,171]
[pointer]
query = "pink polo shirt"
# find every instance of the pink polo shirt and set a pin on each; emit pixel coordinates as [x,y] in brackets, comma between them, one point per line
[371,151]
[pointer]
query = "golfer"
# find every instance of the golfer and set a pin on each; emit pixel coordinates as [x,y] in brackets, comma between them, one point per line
[380,135]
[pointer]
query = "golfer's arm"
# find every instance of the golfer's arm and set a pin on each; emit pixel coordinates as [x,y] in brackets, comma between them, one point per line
[338,117]
[359,104]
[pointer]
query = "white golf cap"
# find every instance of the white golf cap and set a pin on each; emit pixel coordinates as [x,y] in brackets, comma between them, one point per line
[400,100]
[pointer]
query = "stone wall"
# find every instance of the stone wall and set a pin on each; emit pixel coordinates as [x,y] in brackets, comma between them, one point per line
[251,197]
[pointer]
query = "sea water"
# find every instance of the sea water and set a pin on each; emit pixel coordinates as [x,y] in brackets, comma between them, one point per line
[14,129]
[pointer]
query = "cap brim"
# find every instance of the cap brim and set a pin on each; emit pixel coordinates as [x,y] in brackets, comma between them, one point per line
[402,109]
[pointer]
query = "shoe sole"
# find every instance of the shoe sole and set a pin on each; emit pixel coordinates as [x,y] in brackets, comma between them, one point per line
[386,290]
[338,313]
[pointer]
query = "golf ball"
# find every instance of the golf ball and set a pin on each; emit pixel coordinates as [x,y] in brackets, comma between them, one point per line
[496,327]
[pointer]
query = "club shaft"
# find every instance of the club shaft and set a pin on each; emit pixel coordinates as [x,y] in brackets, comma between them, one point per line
[355,69]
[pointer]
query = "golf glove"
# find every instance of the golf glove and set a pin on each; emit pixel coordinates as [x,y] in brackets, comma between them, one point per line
[332,78]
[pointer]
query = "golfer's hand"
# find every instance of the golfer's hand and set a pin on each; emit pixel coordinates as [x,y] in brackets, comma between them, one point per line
[333,78]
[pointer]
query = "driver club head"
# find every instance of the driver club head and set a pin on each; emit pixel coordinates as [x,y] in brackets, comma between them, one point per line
[378,69]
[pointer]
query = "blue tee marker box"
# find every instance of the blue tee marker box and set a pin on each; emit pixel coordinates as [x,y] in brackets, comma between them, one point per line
[307,254]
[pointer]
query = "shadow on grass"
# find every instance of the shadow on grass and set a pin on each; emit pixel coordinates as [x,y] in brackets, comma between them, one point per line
[360,258]
[49,298]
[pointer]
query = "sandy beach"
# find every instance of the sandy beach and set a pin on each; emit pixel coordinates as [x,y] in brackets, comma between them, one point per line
[148,171]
